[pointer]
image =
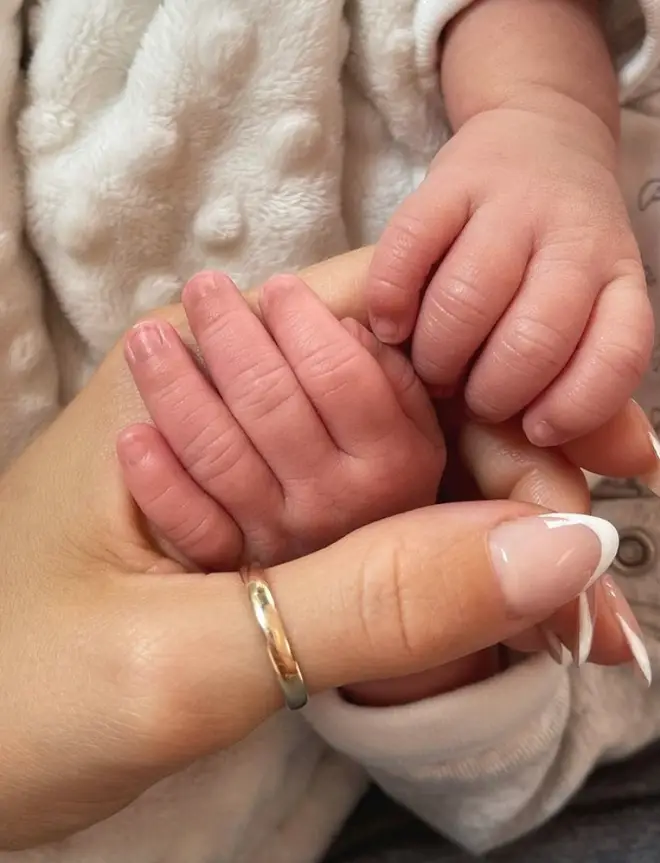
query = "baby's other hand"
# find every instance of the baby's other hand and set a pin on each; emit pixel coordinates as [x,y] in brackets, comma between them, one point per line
[515,269]
[301,430]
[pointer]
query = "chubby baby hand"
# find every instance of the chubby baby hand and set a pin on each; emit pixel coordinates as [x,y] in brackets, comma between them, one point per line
[299,430]
[515,270]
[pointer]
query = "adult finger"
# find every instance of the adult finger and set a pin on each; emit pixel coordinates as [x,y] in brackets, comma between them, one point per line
[395,598]
[506,465]
[600,626]
[625,446]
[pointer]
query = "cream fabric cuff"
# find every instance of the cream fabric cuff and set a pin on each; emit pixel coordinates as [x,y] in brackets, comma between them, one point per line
[448,728]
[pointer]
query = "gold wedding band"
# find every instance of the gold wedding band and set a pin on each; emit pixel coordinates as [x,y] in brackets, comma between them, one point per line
[280,653]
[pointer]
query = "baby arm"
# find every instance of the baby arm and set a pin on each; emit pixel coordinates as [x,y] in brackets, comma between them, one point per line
[514,265]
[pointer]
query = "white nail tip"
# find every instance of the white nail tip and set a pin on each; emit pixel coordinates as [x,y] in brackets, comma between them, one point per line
[652,479]
[585,630]
[607,534]
[637,649]
[556,648]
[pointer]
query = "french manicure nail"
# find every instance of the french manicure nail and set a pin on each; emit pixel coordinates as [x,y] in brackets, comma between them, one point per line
[651,478]
[586,622]
[629,627]
[146,340]
[555,647]
[545,561]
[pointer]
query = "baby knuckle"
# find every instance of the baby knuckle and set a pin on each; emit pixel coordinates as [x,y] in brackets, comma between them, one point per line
[333,365]
[188,533]
[459,300]
[535,344]
[401,238]
[455,313]
[218,456]
[218,328]
[263,389]
[399,265]
[172,391]
[431,363]
[625,360]
[631,269]
[205,541]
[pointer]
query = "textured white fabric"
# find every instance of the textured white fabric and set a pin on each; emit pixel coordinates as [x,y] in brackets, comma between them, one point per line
[164,136]
[28,378]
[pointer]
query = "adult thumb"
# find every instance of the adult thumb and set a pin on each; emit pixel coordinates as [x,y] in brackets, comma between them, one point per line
[395,598]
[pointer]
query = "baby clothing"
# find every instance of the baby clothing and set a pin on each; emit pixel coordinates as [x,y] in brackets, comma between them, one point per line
[160,137]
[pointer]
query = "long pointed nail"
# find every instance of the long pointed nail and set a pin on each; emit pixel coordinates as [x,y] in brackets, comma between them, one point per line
[628,626]
[555,647]
[545,561]
[586,622]
[651,478]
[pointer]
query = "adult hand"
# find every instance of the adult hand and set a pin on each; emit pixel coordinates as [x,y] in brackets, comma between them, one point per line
[114,676]
[500,463]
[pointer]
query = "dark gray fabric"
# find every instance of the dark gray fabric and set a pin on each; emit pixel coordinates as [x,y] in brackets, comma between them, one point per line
[614,819]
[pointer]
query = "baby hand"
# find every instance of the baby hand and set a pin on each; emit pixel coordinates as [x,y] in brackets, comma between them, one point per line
[515,269]
[307,429]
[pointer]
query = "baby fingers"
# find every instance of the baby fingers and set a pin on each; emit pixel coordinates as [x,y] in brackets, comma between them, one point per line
[417,237]
[177,508]
[605,370]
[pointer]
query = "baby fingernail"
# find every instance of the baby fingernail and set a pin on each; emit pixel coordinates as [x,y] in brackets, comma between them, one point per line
[385,330]
[133,449]
[542,434]
[146,340]
[201,286]
[629,627]
[545,561]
